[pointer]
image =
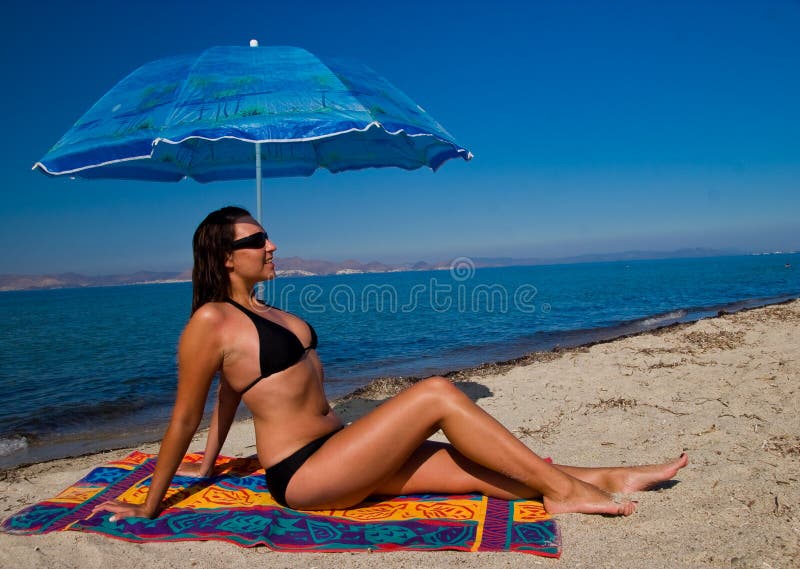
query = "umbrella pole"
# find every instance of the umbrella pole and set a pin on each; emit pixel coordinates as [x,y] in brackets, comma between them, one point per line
[259,286]
[258,182]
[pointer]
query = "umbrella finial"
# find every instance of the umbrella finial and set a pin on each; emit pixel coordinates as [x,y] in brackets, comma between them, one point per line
[253,43]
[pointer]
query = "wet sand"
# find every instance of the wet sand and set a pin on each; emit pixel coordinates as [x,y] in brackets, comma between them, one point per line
[723,389]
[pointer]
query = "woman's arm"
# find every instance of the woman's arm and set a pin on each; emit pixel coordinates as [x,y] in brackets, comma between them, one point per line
[224,412]
[199,357]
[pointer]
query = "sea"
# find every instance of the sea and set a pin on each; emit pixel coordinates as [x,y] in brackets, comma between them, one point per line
[89,369]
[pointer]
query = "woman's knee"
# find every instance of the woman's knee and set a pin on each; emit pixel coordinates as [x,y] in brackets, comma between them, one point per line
[438,387]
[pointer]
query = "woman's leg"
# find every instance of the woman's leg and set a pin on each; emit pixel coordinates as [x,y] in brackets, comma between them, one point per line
[422,472]
[625,479]
[439,468]
[357,461]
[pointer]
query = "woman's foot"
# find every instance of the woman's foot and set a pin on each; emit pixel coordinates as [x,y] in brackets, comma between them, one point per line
[587,499]
[626,479]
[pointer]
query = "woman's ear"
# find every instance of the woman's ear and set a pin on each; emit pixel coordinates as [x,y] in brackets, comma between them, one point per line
[229,261]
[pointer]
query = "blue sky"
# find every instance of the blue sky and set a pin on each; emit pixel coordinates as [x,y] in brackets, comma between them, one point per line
[596,127]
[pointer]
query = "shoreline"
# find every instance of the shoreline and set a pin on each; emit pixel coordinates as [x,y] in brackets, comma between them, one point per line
[724,389]
[394,384]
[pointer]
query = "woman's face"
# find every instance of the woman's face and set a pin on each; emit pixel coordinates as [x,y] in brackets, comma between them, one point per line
[252,254]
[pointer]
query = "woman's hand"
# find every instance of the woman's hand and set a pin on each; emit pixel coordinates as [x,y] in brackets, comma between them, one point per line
[122,510]
[193,469]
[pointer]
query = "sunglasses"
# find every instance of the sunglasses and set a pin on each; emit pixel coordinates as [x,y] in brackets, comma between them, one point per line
[254,241]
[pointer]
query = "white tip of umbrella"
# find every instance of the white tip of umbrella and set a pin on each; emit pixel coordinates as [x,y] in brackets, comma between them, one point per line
[253,43]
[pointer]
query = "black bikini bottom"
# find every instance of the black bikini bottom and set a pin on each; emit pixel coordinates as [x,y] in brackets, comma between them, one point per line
[278,475]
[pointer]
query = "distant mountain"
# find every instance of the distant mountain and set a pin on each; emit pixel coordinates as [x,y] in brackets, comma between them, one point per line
[74,280]
[291,266]
[295,266]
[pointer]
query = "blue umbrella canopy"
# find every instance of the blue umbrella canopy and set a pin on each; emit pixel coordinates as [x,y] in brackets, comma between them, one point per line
[213,115]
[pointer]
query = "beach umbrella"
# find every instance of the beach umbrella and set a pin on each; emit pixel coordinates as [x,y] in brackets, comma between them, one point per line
[238,112]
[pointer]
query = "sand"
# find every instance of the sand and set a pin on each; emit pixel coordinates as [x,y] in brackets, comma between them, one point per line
[723,389]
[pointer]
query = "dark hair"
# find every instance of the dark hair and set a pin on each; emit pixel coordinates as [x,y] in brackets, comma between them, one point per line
[211,245]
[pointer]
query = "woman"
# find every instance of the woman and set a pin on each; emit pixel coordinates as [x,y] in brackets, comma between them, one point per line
[311,461]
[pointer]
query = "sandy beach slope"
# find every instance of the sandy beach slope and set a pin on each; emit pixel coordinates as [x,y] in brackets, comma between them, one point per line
[723,389]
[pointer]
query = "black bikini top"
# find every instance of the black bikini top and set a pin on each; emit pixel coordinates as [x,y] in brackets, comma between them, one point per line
[279,348]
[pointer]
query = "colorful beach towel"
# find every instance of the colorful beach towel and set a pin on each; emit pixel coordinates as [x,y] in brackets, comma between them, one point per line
[234,505]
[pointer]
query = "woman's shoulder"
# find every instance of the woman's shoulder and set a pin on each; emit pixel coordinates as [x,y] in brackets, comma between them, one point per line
[210,315]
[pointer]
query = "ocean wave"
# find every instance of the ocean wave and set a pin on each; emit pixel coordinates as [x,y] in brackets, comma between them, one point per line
[11,445]
[65,417]
[667,317]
